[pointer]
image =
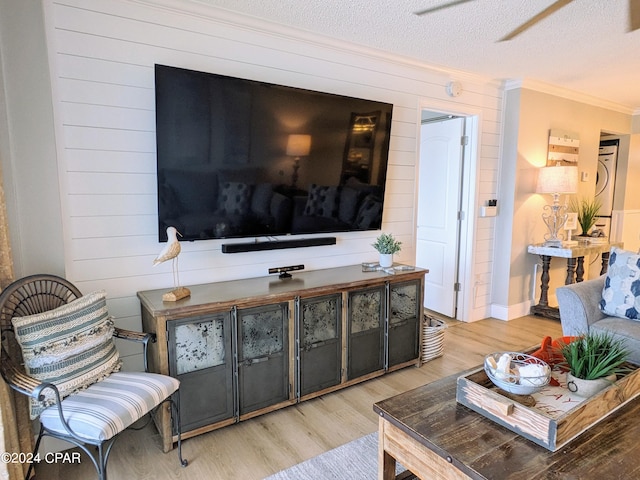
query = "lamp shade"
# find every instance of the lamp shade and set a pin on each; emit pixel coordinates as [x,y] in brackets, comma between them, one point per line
[299,145]
[557,179]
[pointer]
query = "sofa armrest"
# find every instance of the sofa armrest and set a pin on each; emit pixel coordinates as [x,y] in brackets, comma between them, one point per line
[579,305]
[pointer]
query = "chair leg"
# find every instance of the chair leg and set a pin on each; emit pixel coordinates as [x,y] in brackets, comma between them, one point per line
[35,452]
[99,459]
[176,411]
[102,463]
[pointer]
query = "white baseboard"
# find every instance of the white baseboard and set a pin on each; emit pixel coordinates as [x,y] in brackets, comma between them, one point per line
[509,312]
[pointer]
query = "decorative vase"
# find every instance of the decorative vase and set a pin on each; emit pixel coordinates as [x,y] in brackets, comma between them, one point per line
[386,260]
[588,388]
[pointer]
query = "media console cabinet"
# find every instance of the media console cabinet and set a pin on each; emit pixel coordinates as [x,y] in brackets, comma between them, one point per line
[242,348]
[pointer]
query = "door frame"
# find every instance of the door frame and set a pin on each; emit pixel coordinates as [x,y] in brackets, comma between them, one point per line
[468,203]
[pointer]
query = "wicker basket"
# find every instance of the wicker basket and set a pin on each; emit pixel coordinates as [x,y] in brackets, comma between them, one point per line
[432,338]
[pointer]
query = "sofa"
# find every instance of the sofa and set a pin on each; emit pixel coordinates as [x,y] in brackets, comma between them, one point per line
[202,203]
[221,203]
[352,206]
[609,303]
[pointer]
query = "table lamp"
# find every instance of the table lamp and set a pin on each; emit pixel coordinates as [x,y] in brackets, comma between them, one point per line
[297,146]
[556,180]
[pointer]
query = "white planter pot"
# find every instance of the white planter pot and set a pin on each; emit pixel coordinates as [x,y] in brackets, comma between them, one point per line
[588,388]
[386,260]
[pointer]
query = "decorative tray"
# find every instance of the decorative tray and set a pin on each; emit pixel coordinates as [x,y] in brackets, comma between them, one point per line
[550,417]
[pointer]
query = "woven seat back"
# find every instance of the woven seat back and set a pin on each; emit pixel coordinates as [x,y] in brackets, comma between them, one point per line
[31,295]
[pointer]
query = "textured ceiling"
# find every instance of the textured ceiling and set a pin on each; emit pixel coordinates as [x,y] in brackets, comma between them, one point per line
[584,47]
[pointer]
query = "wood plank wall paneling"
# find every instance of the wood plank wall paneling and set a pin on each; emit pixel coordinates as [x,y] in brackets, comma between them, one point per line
[102,56]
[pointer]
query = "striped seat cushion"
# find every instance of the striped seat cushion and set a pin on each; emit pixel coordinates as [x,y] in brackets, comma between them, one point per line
[108,407]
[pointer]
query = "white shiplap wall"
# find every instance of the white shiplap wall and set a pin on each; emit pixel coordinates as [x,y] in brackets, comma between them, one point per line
[102,54]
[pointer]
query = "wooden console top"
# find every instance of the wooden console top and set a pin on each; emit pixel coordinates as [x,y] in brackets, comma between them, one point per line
[270,289]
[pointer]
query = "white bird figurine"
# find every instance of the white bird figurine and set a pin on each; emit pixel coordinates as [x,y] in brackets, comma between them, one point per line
[171,252]
[171,249]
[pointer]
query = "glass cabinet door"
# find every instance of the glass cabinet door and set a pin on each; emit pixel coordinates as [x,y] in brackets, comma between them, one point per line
[320,343]
[404,322]
[365,329]
[263,356]
[200,356]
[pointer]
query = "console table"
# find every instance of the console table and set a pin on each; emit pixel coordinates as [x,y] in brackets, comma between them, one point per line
[435,437]
[246,347]
[575,268]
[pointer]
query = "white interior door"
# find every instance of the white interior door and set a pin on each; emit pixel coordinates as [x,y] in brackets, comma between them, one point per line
[440,173]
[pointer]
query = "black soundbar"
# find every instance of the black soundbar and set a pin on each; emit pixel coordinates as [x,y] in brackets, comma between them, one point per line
[277,244]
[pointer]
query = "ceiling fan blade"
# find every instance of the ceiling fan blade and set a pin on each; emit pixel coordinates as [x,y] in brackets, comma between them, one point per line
[554,7]
[634,15]
[441,7]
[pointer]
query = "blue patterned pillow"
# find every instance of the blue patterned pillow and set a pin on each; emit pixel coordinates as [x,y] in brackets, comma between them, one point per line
[621,292]
[234,198]
[71,346]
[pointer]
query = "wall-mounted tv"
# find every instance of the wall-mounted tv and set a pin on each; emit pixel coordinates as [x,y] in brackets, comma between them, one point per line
[242,158]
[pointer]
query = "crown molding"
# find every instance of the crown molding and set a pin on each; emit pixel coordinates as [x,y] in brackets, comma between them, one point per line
[565,93]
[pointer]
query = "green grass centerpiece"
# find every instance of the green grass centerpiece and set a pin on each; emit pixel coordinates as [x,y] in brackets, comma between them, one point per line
[587,211]
[595,355]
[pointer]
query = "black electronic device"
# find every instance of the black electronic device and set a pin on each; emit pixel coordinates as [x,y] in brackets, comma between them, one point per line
[284,271]
[277,244]
[240,158]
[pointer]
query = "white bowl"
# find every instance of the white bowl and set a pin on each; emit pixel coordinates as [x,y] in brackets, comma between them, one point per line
[512,382]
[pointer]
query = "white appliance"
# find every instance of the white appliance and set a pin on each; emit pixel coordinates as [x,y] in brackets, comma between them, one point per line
[605,187]
[595,260]
[606,176]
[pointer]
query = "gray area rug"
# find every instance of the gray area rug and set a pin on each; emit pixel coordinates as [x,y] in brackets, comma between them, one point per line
[356,460]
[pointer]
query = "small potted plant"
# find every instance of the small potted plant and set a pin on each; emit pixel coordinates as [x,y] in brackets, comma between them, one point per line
[587,211]
[386,246]
[594,361]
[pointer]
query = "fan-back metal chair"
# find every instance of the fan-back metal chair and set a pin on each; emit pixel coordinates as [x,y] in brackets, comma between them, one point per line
[37,294]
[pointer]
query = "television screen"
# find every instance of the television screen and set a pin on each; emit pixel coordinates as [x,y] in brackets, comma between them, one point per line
[241,158]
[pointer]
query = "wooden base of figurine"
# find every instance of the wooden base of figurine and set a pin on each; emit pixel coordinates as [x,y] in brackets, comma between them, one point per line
[176,294]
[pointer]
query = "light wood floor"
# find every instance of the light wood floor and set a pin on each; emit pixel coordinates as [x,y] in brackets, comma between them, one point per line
[259,447]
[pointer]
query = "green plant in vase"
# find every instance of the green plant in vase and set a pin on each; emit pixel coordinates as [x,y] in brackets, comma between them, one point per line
[587,210]
[596,356]
[387,246]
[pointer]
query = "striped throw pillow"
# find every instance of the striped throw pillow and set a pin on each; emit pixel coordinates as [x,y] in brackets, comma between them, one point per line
[71,346]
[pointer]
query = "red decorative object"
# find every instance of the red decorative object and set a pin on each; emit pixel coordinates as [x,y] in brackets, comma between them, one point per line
[549,352]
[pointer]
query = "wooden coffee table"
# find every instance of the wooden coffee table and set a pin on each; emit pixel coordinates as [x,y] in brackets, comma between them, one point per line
[432,435]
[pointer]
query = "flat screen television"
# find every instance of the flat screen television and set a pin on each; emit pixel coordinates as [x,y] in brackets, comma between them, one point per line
[242,158]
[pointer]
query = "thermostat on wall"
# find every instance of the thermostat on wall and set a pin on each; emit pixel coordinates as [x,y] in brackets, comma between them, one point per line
[488,211]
